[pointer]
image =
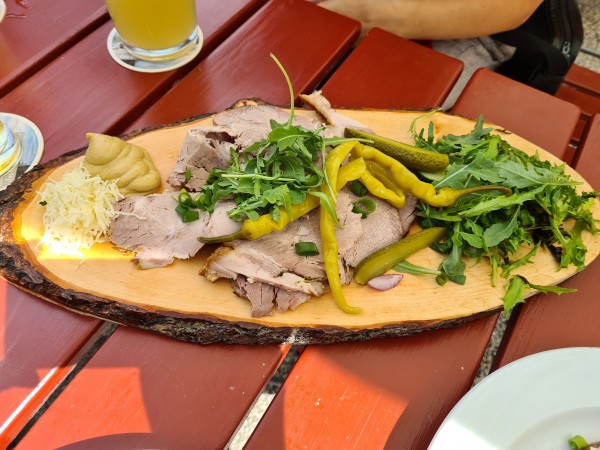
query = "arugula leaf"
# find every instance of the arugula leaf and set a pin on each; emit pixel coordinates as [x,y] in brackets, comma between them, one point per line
[522,176]
[500,231]
[515,292]
[526,259]
[413,269]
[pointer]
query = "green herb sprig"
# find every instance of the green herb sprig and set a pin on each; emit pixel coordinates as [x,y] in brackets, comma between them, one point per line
[489,225]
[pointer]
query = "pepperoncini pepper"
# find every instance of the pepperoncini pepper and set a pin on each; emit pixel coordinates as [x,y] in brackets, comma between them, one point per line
[329,245]
[409,182]
[376,187]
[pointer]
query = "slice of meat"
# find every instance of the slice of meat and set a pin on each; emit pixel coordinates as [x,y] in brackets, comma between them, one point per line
[207,148]
[203,150]
[272,259]
[337,122]
[385,226]
[150,227]
[262,296]
[252,123]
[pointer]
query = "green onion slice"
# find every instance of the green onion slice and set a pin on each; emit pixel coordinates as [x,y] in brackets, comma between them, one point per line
[577,442]
[306,248]
[358,188]
[185,198]
[364,206]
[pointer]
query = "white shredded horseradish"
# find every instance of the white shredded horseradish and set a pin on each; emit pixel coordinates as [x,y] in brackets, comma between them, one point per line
[78,211]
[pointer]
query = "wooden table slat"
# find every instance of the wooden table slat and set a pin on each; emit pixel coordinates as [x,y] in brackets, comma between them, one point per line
[147,391]
[37,342]
[389,393]
[412,75]
[588,160]
[57,27]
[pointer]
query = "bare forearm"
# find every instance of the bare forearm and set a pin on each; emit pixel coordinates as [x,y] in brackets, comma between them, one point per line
[436,19]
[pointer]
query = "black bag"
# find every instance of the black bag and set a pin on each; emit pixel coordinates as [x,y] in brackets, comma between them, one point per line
[546,45]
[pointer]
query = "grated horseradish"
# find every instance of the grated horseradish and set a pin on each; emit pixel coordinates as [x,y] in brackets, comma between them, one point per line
[78,211]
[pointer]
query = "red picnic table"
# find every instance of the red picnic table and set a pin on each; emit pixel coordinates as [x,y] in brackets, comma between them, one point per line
[71,381]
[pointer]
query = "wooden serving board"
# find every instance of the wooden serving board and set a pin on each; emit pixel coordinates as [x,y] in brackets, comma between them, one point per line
[177,302]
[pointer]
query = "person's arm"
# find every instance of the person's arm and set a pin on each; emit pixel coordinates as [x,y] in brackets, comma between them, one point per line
[436,19]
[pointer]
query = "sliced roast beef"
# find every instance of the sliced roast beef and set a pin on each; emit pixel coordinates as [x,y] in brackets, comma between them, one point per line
[272,259]
[262,296]
[252,123]
[203,150]
[207,148]
[386,225]
[150,227]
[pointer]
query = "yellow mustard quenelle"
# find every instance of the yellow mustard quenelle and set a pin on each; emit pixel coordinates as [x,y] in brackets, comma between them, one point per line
[130,165]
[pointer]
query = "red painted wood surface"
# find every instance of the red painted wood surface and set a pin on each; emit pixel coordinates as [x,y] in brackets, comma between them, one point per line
[141,390]
[146,391]
[581,87]
[390,393]
[583,79]
[518,108]
[85,90]
[547,322]
[37,344]
[307,40]
[33,33]
[411,75]
[588,161]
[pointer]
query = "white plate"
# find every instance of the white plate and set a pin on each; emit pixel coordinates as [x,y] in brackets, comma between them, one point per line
[537,402]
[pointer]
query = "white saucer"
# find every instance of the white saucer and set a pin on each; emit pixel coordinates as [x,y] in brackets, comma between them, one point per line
[30,137]
[118,52]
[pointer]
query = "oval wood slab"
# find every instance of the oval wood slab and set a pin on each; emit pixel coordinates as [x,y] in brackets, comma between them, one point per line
[177,302]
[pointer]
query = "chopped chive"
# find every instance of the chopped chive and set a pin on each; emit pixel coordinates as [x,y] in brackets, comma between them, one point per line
[306,248]
[577,442]
[364,206]
[185,198]
[358,188]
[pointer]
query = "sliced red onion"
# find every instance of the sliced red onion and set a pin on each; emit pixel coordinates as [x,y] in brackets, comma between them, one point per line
[385,282]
